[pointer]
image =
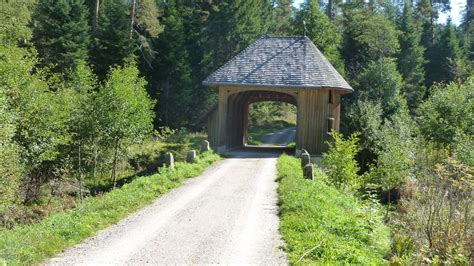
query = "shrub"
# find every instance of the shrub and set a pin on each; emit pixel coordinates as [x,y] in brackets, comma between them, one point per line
[394,153]
[448,113]
[339,163]
[437,212]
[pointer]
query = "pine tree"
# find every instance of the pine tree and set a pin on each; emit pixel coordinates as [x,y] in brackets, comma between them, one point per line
[368,37]
[175,80]
[410,58]
[232,26]
[320,30]
[468,32]
[112,42]
[282,17]
[61,33]
[444,58]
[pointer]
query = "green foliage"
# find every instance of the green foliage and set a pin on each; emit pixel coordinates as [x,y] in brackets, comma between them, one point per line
[282,17]
[34,243]
[61,33]
[14,19]
[41,116]
[339,162]
[263,112]
[147,18]
[366,116]
[322,225]
[368,37]
[176,74]
[112,43]
[9,155]
[393,148]
[447,59]
[448,113]
[232,26]
[321,31]
[124,107]
[410,58]
[380,82]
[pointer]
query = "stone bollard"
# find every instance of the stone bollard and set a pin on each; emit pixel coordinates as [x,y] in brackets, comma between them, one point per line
[191,156]
[305,159]
[308,171]
[303,151]
[205,146]
[169,160]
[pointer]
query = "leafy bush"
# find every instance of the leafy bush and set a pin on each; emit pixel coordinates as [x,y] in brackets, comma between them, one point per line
[322,225]
[448,113]
[339,163]
[393,148]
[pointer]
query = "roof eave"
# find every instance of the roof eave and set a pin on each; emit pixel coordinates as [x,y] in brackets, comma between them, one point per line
[216,84]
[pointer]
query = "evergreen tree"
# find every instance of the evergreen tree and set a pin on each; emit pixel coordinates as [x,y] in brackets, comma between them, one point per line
[410,58]
[368,37]
[112,42]
[468,32]
[282,17]
[445,58]
[175,79]
[381,83]
[320,30]
[232,26]
[61,33]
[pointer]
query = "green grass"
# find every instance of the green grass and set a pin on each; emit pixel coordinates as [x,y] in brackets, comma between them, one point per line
[34,243]
[322,225]
[257,132]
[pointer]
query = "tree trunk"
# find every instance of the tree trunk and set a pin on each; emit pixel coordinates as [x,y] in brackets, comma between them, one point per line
[81,177]
[94,171]
[114,177]
[132,17]
[96,16]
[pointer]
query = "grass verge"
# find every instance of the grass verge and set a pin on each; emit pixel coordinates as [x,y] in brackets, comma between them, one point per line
[34,243]
[322,225]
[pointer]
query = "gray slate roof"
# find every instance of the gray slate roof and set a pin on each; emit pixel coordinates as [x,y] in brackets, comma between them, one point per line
[279,62]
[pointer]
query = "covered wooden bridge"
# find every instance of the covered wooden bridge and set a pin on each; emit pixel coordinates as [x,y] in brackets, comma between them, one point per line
[282,69]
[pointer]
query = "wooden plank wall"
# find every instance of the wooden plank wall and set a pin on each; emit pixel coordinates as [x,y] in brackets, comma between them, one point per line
[313,114]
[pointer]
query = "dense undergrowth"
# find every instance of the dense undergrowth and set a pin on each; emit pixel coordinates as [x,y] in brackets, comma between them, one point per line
[323,225]
[31,244]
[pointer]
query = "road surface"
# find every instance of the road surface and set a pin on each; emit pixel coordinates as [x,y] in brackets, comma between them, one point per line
[281,137]
[228,215]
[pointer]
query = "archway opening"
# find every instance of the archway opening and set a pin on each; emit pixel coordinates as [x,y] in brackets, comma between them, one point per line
[271,124]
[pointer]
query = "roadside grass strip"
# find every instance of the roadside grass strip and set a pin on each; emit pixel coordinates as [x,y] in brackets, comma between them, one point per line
[32,244]
[322,225]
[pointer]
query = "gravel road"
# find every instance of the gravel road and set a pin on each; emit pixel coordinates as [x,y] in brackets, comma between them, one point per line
[281,137]
[228,215]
